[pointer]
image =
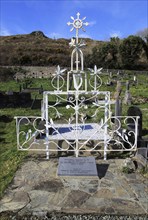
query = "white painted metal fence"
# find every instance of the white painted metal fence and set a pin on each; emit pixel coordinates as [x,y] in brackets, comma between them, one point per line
[76,116]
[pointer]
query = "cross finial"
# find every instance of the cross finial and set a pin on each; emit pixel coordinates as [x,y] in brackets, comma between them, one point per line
[78,15]
[78,23]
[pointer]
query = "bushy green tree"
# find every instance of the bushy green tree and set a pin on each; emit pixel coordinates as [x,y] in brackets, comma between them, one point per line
[105,55]
[131,49]
[143,34]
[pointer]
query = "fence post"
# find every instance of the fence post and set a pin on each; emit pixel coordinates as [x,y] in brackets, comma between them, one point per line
[105,125]
[46,125]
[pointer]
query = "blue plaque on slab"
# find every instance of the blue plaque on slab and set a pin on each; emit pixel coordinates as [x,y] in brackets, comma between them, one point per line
[77,166]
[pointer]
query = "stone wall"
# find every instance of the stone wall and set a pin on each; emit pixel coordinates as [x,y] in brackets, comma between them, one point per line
[35,72]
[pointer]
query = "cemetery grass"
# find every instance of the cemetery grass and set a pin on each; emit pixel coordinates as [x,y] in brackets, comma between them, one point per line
[11,158]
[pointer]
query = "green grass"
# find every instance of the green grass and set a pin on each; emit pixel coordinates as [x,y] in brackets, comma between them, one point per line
[11,158]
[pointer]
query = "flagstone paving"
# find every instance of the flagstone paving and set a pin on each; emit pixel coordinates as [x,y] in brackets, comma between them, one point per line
[37,189]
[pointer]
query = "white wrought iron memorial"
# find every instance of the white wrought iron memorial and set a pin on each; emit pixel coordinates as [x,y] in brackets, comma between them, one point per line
[71,113]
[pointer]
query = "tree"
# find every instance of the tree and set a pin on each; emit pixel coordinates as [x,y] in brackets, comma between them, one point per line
[105,55]
[112,59]
[143,34]
[131,49]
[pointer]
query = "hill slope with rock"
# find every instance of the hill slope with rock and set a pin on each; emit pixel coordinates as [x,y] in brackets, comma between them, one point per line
[36,49]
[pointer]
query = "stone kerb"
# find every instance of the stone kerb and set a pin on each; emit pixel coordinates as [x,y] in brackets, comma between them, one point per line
[41,192]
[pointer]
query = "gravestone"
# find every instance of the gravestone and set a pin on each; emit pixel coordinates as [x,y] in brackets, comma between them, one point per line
[3,99]
[135,78]
[127,97]
[135,111]
[110,74]
[117,90]
[117,103]
[10,92]
[118,107]
[143,151]
[13,99]
[24,99]
[79,166]
[5,118]
[143,145]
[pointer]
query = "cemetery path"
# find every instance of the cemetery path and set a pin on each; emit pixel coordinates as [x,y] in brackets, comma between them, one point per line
[37,190]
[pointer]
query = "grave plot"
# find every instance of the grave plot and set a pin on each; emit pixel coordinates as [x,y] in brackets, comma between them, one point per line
[76,115]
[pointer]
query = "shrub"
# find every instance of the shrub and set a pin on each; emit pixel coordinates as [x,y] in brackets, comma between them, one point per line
[6,74]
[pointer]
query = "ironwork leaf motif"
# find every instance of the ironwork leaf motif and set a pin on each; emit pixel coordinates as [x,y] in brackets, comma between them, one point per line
[76,79]
[125,137]
[27,136]
[119,134]
[59,71]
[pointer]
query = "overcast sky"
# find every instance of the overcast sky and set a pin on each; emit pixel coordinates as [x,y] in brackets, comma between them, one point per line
[107,18]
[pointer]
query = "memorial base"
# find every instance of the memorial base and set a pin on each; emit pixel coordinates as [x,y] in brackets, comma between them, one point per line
[77,166]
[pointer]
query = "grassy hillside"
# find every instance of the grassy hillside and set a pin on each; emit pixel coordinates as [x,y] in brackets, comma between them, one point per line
[37,50]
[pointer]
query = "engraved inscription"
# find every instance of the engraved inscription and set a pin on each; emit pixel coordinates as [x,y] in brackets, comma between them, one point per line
[77,166]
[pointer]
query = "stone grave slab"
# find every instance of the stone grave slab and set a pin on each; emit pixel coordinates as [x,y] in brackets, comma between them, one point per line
[143,151]
[79,166]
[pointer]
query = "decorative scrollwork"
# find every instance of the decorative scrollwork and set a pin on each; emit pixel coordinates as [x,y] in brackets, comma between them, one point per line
[28,129]
[121,134]
[95,80]
[57,78]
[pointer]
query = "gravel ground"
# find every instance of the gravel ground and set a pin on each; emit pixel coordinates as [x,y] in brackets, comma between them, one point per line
[53,216]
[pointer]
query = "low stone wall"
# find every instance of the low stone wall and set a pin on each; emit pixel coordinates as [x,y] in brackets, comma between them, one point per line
[35,72]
